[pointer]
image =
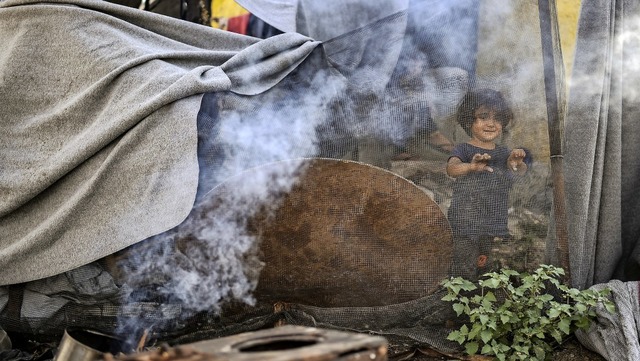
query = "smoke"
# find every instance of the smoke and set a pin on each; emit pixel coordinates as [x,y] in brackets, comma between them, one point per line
[254,155]
[212,258]
[630,43]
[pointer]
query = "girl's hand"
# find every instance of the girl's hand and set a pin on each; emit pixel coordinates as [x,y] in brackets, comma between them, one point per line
[516,160]
[479,163]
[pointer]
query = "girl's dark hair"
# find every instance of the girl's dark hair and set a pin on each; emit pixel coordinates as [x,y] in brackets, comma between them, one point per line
[490,98]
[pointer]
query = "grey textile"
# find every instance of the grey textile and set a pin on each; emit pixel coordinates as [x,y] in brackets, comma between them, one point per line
[616,336]
[602,141]
[98,138]
[601,144]
[322,20]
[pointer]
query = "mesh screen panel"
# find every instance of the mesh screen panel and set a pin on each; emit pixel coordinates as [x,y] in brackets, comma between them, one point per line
[349,225]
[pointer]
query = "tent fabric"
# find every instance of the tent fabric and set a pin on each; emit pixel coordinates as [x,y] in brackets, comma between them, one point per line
[616,336]
[100,106]
[322,20]
[601,142]
[99,124]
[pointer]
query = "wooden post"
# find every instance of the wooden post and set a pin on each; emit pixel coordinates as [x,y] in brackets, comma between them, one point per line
[555,140]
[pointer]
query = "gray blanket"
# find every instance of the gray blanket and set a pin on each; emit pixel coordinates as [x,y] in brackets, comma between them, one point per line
[98,138]
[616,336]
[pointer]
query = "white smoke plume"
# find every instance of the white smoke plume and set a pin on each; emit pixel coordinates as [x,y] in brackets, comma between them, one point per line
[213,257]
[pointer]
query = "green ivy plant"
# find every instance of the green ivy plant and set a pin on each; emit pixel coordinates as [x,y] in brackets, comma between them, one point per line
[520,316]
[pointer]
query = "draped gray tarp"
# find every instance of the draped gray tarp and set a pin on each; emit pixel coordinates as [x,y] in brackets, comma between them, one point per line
[616,336]
[108,138]
[322,20]
[601,143]
[98,138]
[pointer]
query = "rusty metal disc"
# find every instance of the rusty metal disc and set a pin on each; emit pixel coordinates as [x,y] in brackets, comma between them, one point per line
[348,234]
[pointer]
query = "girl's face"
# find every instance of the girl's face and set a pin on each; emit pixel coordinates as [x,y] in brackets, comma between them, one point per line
[486,127]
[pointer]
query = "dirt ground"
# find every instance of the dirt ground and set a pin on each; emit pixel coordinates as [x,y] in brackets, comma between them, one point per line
[571,350]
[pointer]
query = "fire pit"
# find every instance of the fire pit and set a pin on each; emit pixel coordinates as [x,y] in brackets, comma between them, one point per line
[286,343]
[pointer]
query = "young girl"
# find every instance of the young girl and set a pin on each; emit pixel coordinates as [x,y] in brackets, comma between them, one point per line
[484,172]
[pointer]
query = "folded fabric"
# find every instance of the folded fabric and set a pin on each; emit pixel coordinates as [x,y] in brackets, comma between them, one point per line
[98,139]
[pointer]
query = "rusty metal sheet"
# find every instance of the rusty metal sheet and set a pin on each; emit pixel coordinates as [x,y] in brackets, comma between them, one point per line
[348,234]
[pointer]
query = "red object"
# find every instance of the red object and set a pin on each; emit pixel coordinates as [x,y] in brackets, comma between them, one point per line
[482,260]
[239,24]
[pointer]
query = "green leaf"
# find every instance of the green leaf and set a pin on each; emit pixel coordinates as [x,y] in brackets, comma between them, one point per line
[484,319]
[486,336]
[574,292]
[471,348]
[553,313]
[580,307]
[486,350]
[459,308]
[545,297]
[583,322]
[474,331]
[504,319]
[449,297]
[454,288]
[490,297]
[468,286]
[490,283]
[456,336]
[539,351]
[565,325]
[610,307]
[453,335]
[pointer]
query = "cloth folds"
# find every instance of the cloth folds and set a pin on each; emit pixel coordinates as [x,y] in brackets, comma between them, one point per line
[98,138]
[601,141]
[615,336]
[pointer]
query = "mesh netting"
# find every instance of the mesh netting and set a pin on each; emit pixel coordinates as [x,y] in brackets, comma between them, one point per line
[332,203]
